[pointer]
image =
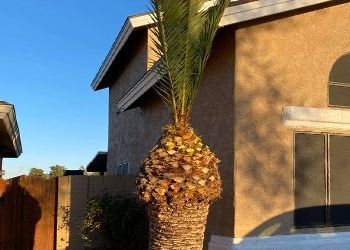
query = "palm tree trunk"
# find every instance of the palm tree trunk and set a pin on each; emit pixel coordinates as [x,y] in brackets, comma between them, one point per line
[177,229]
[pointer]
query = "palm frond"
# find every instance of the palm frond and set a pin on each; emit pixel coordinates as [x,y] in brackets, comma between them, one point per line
[184,35]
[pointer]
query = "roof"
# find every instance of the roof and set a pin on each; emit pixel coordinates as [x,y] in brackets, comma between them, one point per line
[98,164]
[73,172]
[10,141]
[238,11]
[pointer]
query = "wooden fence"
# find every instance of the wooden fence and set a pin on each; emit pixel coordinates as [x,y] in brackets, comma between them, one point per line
[30,209]
[28,213]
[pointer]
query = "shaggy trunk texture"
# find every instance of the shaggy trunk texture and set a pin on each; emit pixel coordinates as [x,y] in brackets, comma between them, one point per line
[178,181]
[177,229]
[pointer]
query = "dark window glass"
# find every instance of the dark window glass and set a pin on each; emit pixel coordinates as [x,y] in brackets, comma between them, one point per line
[339,160]
[120,169]
[125,168]
[340,72]
[339,95]
[310,186]
[339,82]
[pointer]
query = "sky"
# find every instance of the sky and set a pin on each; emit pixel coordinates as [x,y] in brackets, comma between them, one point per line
[49,53]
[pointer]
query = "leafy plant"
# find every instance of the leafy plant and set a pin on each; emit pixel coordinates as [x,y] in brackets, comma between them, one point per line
[57,170]
[114,222]
[37,172]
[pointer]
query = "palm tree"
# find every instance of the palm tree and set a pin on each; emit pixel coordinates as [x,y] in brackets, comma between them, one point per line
[179,178]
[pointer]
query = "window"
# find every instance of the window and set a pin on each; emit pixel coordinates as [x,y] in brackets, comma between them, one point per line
[121,169]
[322,186]
[339,168]
[339,83]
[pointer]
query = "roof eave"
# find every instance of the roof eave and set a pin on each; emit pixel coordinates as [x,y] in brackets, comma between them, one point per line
[91,168]
[233,15]
[241,13]
[8,117]
[131,23]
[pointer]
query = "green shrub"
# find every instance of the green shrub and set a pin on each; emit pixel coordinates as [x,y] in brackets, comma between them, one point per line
[114,222]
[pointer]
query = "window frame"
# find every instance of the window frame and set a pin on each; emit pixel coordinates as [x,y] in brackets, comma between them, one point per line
[338,63]
[327,196]
[337,84]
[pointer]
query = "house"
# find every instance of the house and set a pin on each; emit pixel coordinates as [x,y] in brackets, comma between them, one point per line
[10,141]
[274,107]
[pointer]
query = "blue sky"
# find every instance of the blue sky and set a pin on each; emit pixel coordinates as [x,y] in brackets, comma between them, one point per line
[49,53]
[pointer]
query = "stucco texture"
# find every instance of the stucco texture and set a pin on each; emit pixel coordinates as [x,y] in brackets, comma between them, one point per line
[135,133]
[283,62]
[133,68]
[212,119]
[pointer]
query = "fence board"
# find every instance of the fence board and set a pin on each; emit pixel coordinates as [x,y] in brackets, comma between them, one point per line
[28,213]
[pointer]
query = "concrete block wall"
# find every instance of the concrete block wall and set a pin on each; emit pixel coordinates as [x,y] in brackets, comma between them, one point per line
[73,193]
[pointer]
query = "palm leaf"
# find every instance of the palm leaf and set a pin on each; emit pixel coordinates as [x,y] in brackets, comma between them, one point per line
[184,35]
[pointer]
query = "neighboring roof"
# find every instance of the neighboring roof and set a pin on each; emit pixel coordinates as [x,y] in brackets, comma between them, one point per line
[238,11]
[10,141]
[73,172]
[99,163]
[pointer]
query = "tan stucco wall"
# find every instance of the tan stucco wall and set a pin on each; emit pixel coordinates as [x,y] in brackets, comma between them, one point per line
[213,120]
[152,51]
[278,63]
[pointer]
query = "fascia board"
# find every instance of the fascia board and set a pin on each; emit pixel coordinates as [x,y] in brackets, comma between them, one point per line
[244,12]
[263,8]
[118,44]
[8,116]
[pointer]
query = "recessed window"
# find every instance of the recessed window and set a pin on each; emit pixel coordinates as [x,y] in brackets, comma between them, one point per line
[121,169]
[322,188]
[310,185]
[339,83]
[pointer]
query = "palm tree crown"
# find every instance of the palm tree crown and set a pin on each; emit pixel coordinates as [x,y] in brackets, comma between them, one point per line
[179,178]
[184,34]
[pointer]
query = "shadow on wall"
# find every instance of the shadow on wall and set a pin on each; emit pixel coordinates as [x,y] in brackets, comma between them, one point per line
[276,66]
[263,147]
[278,226]
[274,69]
[19,214]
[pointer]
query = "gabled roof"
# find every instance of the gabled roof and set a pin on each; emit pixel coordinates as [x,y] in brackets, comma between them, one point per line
[238,11]
[10,141]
